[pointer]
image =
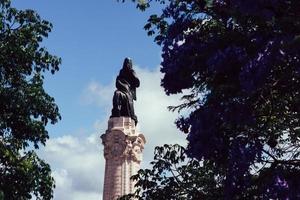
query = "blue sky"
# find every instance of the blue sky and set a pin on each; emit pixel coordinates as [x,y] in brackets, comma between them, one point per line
[92,38]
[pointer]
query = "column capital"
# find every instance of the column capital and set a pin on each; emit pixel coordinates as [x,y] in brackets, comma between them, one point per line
[122,141]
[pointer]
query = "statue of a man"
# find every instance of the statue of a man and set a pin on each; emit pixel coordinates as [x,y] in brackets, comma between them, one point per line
[126,84]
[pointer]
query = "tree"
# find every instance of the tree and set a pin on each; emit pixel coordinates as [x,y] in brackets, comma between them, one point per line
[25,106]
[174,177]
[240,62]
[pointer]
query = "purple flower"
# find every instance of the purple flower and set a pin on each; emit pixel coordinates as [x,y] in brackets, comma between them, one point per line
[281,182]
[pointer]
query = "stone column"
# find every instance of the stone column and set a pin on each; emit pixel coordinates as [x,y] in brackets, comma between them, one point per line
[123,147]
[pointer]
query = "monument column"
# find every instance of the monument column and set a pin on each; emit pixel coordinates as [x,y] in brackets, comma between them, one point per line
[123,147]
[123,144]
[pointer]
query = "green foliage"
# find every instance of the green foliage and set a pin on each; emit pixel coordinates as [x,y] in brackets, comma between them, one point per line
[173,176]
[25,107]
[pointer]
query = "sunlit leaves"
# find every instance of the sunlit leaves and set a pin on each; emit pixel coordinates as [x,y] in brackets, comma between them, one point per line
[25,107]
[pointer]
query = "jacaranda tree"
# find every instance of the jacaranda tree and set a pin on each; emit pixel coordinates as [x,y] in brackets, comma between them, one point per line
[25,108]
[240,62]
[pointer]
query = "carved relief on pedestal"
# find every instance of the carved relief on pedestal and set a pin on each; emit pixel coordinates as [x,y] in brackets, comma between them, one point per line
[114,144]
[117,145]
[136,148]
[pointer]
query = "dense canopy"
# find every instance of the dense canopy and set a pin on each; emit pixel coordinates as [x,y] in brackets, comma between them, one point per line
[240,62]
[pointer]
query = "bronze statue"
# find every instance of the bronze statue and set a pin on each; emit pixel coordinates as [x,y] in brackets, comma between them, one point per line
[126,84]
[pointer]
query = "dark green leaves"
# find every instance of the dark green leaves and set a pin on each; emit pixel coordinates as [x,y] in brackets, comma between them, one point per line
[173,176]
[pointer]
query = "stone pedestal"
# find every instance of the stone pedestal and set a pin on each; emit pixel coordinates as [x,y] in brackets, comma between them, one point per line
[123,147]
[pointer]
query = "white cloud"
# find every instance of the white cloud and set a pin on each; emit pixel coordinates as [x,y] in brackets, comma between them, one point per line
[76,164]
[77,160]
[155,121]
[98,94]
